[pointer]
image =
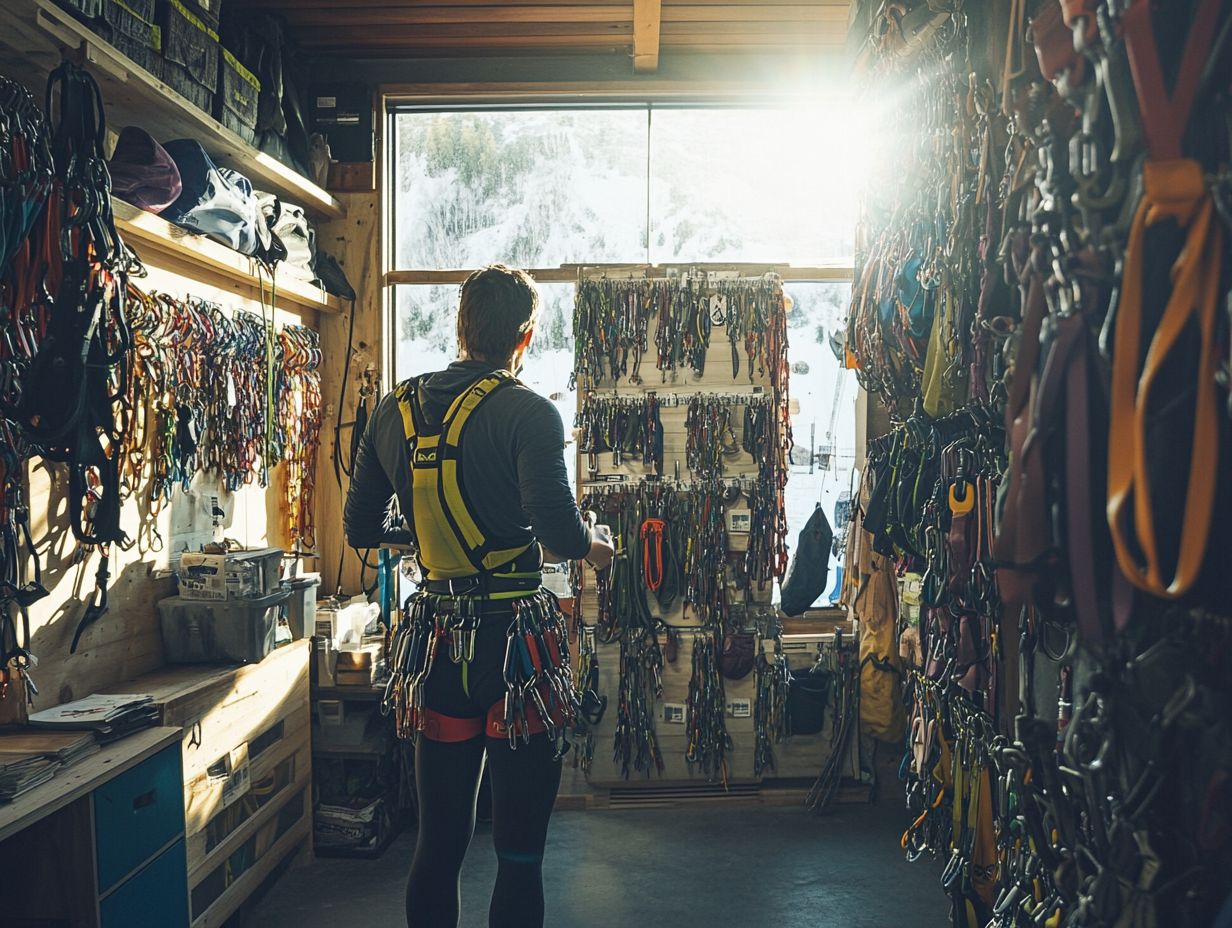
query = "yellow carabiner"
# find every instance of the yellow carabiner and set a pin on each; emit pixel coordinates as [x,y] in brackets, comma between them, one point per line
[961,505]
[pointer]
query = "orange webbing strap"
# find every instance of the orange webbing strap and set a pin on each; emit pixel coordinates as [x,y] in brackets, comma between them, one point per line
[1174,189]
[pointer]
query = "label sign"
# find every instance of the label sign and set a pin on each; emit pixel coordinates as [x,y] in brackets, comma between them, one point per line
[740,708]
[673,713]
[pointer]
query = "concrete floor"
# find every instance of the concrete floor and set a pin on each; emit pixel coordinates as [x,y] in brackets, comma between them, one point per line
[699,867]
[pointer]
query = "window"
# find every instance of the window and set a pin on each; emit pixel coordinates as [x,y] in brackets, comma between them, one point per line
[530,188]
[823,421]
[546,187]
[748,185]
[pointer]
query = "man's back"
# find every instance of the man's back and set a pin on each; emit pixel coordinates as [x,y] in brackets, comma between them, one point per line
[512,467]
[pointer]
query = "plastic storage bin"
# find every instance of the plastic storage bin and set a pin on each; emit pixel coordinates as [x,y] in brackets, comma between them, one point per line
[302,607]
[202,632]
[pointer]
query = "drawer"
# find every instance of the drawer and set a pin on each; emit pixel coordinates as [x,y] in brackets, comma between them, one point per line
[154,897]
[137,813]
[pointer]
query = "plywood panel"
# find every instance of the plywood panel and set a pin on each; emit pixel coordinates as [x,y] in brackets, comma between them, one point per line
[356,243]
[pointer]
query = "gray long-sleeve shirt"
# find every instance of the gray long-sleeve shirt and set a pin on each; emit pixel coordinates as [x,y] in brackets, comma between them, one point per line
[513,466]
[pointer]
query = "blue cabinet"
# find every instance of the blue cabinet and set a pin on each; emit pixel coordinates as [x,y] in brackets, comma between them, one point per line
[154,897]
[137,814]
[139,845]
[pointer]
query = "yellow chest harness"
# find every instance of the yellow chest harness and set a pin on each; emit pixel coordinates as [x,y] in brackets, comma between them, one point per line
[451,539]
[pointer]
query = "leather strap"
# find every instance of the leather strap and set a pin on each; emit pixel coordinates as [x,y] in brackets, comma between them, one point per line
[1175,190]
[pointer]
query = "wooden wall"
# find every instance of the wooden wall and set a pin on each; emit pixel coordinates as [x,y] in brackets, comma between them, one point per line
[356,242]
[127,640]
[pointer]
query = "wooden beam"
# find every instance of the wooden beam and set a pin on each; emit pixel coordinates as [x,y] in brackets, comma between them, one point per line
[470,33]
[570,272]
[480,16]
[475,16]
[647,16]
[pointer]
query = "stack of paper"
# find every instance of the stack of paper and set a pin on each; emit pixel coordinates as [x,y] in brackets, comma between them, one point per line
[28,759]
[109,716]
[20,773]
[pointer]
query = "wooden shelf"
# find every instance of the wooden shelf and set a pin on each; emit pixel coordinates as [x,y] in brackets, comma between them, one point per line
[36,33]
[75,781]
[171,248]
[356,693]
[375,745]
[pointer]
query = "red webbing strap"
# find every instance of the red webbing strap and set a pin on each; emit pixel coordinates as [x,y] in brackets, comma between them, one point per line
[1023,532]
[1164,115]
[447,729]
[496,727]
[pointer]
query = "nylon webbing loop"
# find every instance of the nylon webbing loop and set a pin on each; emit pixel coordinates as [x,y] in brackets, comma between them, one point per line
[1174,189]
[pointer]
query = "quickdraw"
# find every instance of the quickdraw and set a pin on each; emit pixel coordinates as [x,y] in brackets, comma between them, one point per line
[612,320]
[635,744]
[537,670]
[771,723]
[708,742]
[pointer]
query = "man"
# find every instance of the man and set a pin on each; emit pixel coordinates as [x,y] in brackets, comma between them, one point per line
[475,461]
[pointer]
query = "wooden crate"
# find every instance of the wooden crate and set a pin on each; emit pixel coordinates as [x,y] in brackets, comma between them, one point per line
[245,728]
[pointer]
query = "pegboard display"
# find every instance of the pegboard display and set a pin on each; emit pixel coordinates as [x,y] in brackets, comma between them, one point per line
[683,438]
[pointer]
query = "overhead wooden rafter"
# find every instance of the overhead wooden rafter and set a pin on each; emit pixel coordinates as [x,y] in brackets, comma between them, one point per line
[644,30]
[647,17]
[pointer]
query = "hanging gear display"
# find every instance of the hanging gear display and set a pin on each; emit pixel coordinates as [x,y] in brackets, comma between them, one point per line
[635,745]
[299,405]
[591,703]
[28,231]
[625,426]
[133,392]
[677,579]
[710,435]
[838,661]
[1046,521]
[612,325]
[771,720]
[709,744]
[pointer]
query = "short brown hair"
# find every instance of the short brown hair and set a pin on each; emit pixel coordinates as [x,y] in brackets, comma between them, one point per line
[498,306]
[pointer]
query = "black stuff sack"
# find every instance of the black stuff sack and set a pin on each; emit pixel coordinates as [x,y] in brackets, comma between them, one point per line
[810,566]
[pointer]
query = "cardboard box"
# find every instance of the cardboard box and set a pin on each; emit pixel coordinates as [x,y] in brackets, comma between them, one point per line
[359,667]
[235,575]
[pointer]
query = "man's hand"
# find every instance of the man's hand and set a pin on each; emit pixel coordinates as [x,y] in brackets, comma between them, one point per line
[601,550]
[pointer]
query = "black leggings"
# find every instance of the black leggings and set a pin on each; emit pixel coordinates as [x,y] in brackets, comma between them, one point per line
[524,786]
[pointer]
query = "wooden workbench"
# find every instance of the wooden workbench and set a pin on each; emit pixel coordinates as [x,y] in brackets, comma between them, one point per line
[100,841]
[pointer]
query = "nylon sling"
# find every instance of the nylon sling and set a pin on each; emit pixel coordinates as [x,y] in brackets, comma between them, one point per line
[1174,189]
